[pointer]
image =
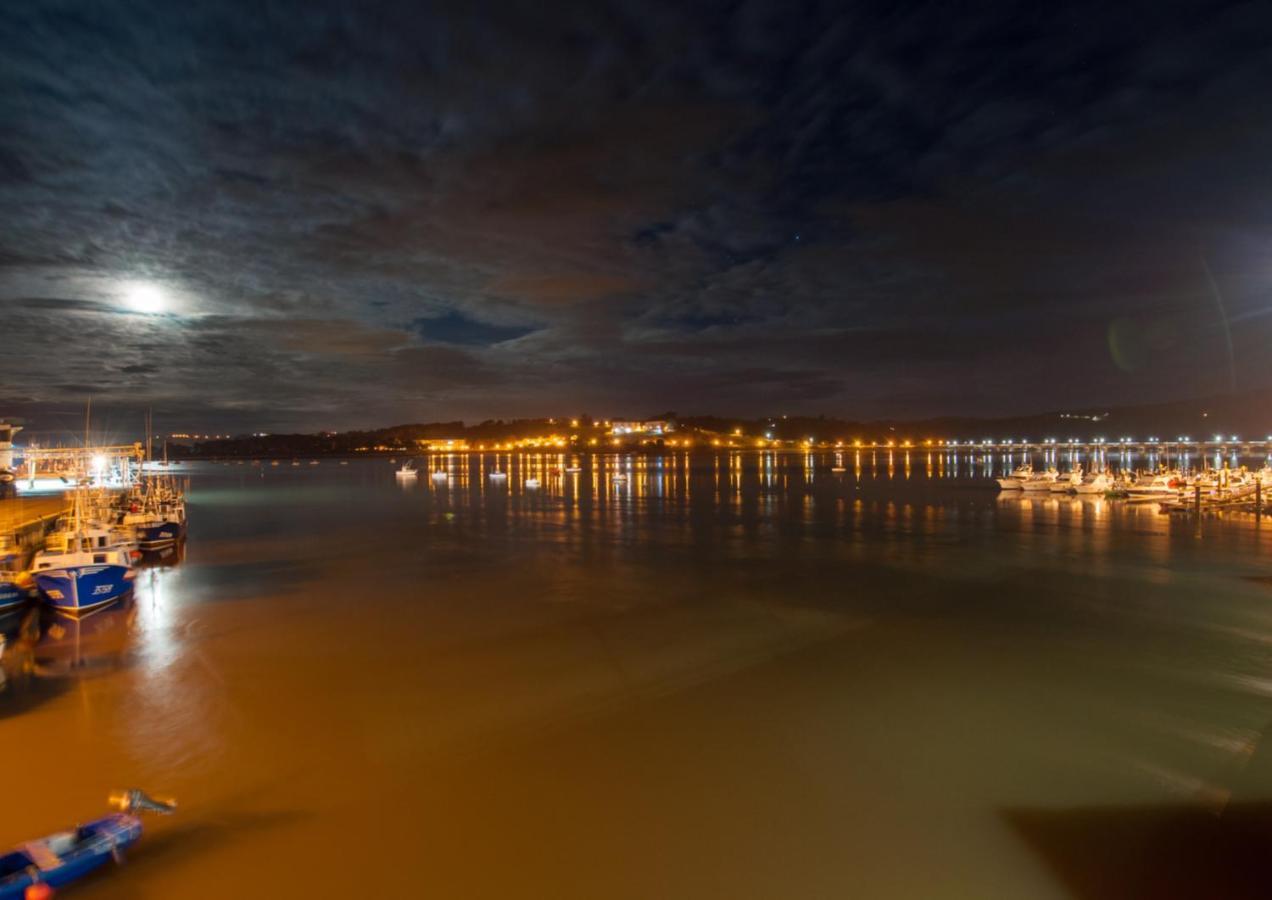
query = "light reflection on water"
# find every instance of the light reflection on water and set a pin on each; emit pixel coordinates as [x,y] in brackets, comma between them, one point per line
[887,680]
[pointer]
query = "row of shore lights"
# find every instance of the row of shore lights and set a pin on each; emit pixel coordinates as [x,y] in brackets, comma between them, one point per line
[1183,439]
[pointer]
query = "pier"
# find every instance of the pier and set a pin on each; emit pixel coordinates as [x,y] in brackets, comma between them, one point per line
[29,518]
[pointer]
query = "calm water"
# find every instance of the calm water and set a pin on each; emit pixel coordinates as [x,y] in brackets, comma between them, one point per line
[746,676]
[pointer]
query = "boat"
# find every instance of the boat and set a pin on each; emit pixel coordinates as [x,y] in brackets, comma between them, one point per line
[1162,486]
[1095,483]
[441,476]
[838,469]
[532,482]
[12,591]
[344,462]
[619,478]
[1067,483]
[82,566]
[313,462]
[498,475]
[66,856]
[1018,477]
[1040,481]
[573,469]
[408,470]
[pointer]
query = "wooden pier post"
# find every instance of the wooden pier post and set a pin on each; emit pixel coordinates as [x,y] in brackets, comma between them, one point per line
[1197,498]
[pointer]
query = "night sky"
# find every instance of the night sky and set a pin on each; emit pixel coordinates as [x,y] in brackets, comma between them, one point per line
[271,215]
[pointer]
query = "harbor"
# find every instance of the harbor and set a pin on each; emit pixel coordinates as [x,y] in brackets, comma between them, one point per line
[684,645]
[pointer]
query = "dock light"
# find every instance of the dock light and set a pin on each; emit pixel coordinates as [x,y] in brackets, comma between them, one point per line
[1218,438]
[1234,438]
[99,464]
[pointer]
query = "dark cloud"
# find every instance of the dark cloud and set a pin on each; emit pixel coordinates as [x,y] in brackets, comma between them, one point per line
[361,214]
[454,328]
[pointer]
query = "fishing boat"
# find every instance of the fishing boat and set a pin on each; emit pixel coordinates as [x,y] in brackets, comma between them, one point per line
[82,566]
[1067,483]
[12,591]
[1018,477]
[67,856]
[408,470]
[1040,481]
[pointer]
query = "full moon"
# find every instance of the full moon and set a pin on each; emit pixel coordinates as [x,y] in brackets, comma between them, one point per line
[144,297]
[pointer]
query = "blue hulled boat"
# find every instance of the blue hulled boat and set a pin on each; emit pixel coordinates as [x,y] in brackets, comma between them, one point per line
[12,593]
[83,566]
[68,855]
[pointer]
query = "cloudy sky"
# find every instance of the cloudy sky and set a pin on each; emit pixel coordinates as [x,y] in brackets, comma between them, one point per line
[292,215]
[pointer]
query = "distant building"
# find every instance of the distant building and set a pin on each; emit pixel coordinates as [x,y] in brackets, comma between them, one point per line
[7,431]
[655,428]
[442,444]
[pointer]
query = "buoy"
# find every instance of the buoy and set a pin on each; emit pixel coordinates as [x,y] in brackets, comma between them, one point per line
[38,891]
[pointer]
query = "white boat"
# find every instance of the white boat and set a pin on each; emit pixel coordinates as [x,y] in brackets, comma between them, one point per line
[498,475]
[1068,483]
[1096,483]
[573,469]
[440,477]
[1018,477]
[532,482]
[407,470]
[1040,481]
[1162,486]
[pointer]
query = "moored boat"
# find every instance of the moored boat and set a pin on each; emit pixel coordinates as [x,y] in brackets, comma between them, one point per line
[1095,483]
[1162,486]
[1018,477]
[82,566]
[13,592]
[1040,481]
[1067,483]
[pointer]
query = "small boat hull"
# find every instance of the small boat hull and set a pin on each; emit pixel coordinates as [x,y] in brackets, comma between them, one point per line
[76,590]
[62,858]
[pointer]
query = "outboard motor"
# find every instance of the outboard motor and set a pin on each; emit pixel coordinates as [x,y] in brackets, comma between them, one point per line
[133,800]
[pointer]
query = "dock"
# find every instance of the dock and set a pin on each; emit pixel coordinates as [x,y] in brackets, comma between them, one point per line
[30,517]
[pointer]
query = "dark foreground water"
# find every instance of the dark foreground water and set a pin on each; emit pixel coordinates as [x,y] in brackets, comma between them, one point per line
[744,676]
